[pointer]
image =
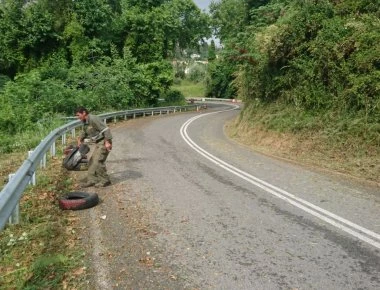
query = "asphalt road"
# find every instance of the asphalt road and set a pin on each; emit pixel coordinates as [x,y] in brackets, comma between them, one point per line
[191,209]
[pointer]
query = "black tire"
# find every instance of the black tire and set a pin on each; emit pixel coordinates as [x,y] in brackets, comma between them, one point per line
[74,156]
[78,200]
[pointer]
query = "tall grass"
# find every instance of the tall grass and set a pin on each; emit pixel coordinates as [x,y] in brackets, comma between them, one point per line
[30,138]
[190,89]
[344,143]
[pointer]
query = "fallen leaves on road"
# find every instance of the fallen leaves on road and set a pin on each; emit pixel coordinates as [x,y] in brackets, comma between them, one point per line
[147,261]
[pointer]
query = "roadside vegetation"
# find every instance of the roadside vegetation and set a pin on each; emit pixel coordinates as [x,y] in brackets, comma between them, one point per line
[308,73]
[41,252]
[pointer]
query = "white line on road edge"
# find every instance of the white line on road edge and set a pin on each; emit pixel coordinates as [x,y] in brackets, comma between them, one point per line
[100,263]
[353,229]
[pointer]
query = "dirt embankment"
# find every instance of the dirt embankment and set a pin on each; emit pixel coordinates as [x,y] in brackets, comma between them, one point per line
[310,150]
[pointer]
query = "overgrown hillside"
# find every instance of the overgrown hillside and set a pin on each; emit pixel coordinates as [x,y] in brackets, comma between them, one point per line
[306,69]
[103,54]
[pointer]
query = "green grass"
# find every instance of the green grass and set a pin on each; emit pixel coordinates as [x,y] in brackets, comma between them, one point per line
[190,89]
[48,272]
[40,252]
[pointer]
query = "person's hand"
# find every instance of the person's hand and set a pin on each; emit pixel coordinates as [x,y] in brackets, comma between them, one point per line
[108,145]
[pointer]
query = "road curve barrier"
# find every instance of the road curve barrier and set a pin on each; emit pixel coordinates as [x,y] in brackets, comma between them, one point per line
[26,175]
[214,100]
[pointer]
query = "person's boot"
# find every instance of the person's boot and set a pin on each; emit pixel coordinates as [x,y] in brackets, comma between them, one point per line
[103,184]
[87,184]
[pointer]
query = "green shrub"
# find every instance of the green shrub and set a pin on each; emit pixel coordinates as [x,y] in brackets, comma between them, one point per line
[174,97]
[197,72]
[219,83]
[3,80]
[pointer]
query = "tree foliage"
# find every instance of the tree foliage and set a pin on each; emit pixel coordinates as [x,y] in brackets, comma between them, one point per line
[211,51]
[104,54]
[155,31]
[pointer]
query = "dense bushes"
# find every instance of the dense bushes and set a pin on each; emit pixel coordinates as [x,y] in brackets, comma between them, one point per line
[36,98]
[320,60]
[173,97]
[197,72]
[121,84]
[219,80]
[314,56]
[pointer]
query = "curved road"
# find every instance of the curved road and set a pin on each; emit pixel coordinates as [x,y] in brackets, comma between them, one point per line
[190,209]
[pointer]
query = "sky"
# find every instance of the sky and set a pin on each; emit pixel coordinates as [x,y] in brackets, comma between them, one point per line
[203,4]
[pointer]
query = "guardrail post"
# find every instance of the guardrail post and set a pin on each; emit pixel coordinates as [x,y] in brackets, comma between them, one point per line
[134,115]
[52,149]
[114,119]
[64,138]
[14,219]
[125,117]
[73,133]
[15,216]
[152,113]
[33,180]
[43,162]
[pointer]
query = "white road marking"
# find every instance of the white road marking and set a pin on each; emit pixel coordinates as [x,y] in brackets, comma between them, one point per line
[353,229]
[100,263]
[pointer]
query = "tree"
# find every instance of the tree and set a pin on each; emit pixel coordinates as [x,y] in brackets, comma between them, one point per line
[144,5]
[30,32]
[155,31]
[191,25]
[11,55]
[228,18]
[212,51]
[95,16]
[220,80]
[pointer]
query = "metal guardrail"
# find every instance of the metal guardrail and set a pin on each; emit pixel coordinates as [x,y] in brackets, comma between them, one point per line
[216,100]
[25,175]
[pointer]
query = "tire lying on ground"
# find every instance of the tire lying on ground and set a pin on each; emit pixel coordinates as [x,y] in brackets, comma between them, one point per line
[78,200]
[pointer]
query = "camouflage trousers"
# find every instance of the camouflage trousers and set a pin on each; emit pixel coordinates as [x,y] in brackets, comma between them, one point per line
[97,171]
